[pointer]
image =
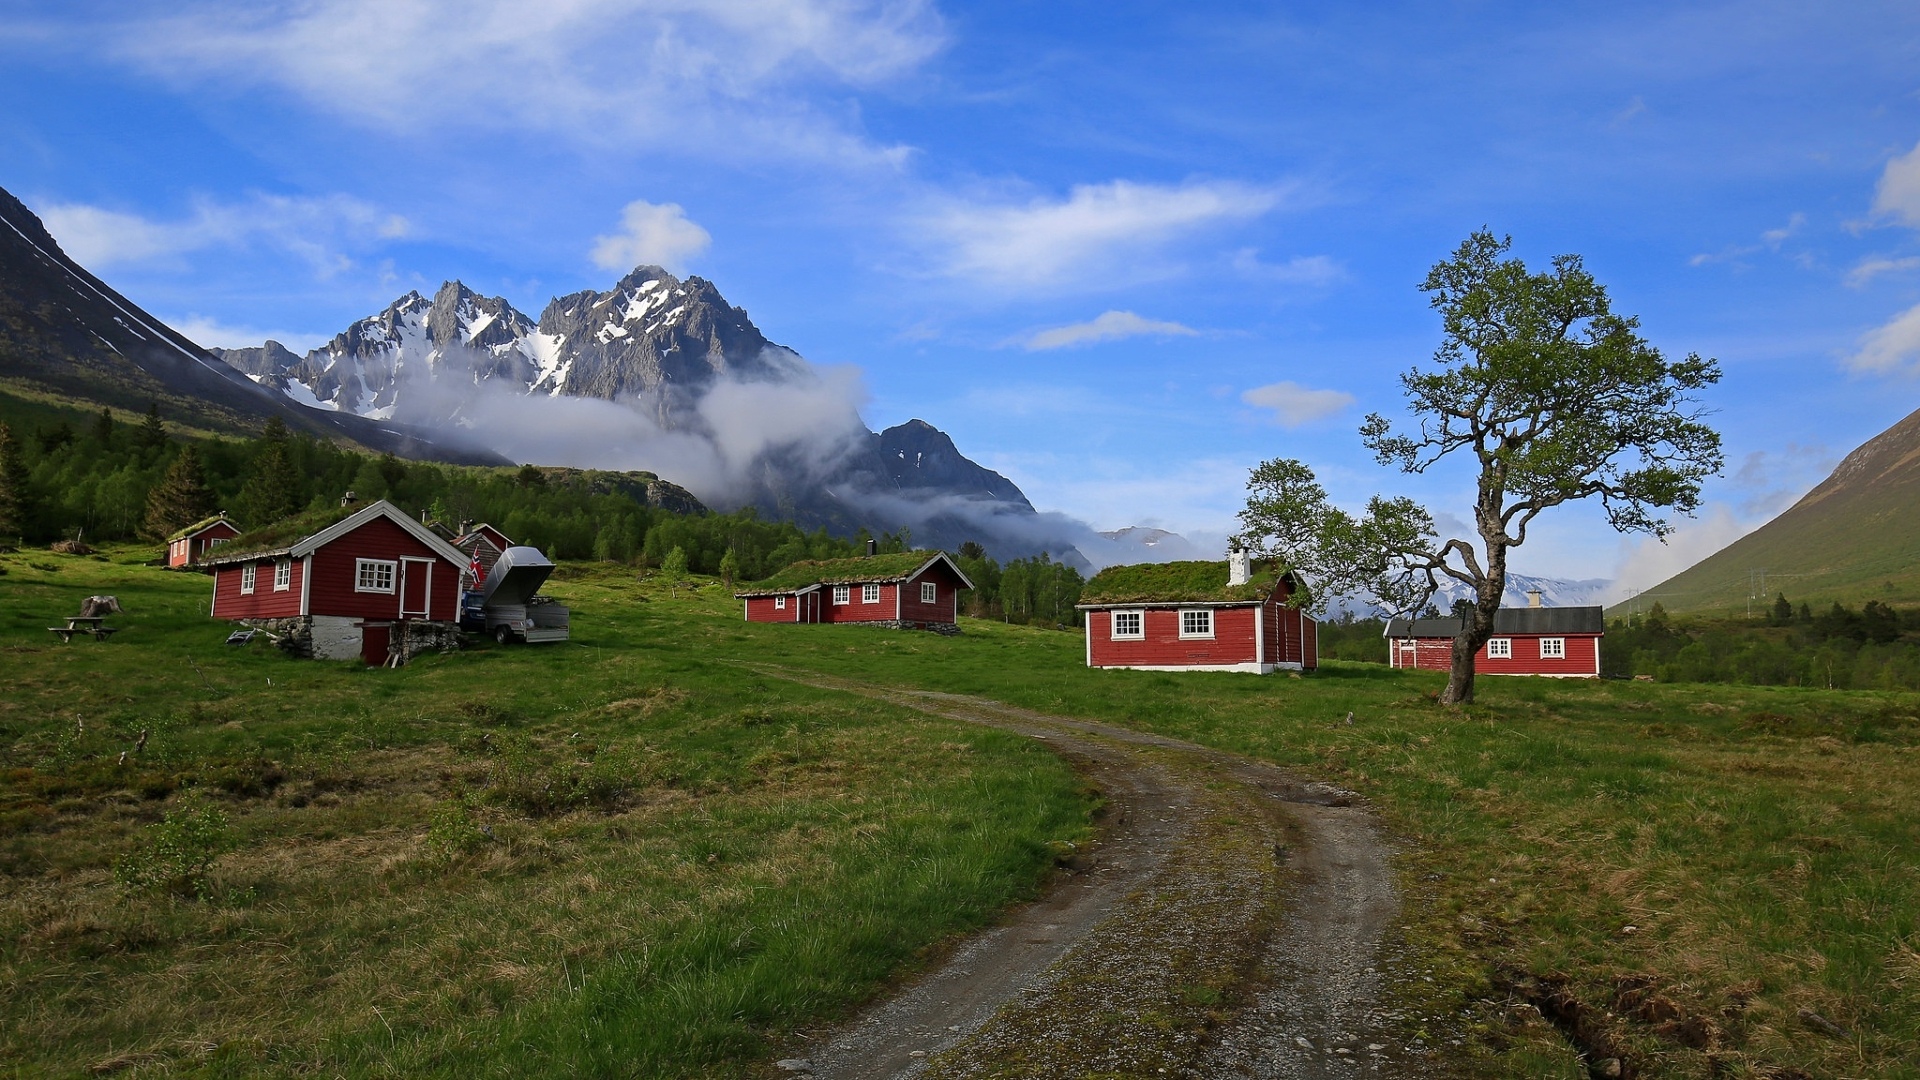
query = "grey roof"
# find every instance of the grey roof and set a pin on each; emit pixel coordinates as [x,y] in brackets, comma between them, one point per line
[1510,620]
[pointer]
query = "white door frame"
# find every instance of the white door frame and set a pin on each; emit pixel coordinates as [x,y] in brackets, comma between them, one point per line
[427,593]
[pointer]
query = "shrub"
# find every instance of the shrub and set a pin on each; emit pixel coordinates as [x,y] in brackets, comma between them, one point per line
[177,854]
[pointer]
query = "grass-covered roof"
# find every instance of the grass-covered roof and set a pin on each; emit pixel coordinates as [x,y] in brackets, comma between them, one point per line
[855,571]
[197,526]
[282,534]
[1193,581]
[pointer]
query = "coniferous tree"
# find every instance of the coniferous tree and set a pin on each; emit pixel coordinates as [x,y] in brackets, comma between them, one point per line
[729,566]
[16,503]
[181,498]
[103,428]
[272,490]
[55,437]
[153,435]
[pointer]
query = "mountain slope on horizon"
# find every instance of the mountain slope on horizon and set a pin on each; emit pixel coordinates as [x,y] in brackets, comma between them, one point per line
[65,332]
[1853,538]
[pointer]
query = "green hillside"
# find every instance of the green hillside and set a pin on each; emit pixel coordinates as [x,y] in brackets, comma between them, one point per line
[1854,538]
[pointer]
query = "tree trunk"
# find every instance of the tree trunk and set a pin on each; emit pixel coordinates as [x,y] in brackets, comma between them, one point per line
[1488,591]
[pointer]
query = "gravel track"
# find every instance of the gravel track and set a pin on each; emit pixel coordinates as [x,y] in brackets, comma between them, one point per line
[1227,922]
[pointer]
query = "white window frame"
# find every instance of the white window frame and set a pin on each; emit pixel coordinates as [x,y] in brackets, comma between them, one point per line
[368,572]
[843,594]
[215,542]
[246,578]
[779,603]
[1500,648]
[1187,614]
[1553,648]
[283,575]
[1139,618]
[929,593]
[869,594]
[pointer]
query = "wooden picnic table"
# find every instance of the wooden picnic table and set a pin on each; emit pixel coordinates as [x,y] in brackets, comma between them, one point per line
[84,624]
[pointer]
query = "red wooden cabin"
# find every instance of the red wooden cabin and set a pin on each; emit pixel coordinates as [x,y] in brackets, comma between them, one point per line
[1232,615]
[349,582]
[908,589]
[482,544]
[1557,642]
[191,544]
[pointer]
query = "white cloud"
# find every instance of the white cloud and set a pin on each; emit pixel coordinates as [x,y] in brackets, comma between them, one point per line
[1300,270]
[1771,239]
[1048,241]
[1874,265]
[1775,237]
[713,74]
[658,234]
[1898,194]
[1646,561]
[1294,405]
[317,230]
[214,333]
[1894,347]
[1111,326]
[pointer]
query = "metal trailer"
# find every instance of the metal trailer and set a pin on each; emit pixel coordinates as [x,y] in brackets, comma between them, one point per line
[508,608]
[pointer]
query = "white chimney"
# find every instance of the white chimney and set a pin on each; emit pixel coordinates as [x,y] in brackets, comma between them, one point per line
[1238,570]
[1533,597]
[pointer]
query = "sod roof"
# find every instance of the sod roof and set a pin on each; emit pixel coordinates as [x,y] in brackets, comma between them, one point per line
[1196,581]
[281,535]
[856,571]
[203,523]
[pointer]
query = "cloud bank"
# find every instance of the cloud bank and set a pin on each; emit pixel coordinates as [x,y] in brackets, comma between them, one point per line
[1891,349]
[1051,242]
[1111,326]
[1293,405]
[1898,194]
[651,234]
[319,230]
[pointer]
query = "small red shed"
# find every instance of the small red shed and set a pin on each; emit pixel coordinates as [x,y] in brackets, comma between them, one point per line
[1560,643]
[482,544]
[907,589]
[1233,615]
[365,581]
[191,544]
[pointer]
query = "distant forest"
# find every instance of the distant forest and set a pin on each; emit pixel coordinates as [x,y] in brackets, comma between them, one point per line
[121,478]
[1873,648]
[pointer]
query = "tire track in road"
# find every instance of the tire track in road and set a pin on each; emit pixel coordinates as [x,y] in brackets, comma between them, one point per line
[1228,922]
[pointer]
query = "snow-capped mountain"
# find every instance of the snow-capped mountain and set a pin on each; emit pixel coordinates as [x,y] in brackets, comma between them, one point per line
[778,436]
[1554,592]
[419,359]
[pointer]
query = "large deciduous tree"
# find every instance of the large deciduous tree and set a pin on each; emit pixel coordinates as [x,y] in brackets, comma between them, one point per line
[1549,395]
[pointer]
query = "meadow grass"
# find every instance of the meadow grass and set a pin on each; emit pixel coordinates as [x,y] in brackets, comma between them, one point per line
[1731,871]
[612,857]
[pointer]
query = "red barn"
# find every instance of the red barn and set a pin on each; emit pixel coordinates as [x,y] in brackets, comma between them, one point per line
[1231,615]
[908,590]
[363,581]
[191,544]
[1557,642]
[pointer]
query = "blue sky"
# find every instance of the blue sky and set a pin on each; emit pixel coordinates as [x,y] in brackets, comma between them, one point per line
[1120,252]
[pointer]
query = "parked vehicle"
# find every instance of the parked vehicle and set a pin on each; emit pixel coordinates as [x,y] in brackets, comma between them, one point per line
[506,605]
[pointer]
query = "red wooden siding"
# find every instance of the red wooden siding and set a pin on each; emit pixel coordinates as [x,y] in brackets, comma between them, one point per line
[946,605]
[761,609]
[1436,654]
[334,568]
[264,602]
[1232,641]
[1292,636]
[853,610]
[194,548]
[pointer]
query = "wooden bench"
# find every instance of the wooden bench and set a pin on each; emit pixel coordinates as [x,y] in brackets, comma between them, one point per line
[84,624]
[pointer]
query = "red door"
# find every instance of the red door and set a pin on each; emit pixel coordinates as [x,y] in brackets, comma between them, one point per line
[373,643]
[416,587]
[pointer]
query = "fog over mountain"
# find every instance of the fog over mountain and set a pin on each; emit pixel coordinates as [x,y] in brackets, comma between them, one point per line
[662,374]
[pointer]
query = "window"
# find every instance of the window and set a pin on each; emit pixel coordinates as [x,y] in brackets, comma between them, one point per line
[1553,648]
[215,542]
[246,578]
[1128,625]
[1196,623]
[779,603]
[283,575]
[1500,648]
[929,592]
[869,594]
[841,594]
[373,575]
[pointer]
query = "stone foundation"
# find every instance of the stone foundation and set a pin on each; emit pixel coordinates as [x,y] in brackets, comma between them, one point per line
[946,629]
[337,637]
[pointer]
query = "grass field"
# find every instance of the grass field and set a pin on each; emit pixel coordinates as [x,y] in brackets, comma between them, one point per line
[632,855]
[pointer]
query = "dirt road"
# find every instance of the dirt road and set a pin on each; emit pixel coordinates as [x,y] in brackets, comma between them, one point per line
[1228,922]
